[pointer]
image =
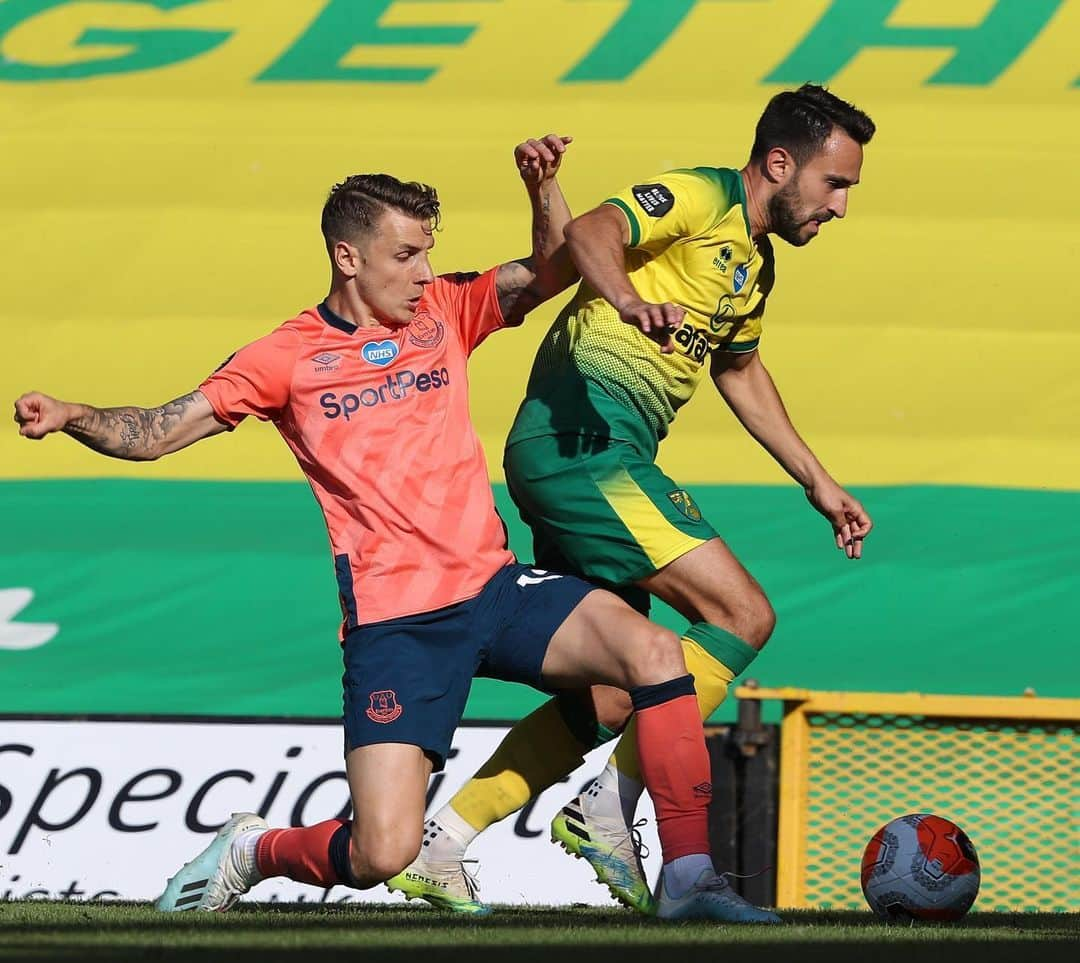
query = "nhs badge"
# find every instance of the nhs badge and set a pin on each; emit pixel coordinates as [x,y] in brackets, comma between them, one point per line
[379,352]
[738,279]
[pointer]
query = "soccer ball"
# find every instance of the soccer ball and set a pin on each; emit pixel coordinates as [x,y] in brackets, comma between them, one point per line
[920,867]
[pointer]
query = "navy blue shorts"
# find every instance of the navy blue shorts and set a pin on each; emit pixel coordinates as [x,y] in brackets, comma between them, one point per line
[407,680]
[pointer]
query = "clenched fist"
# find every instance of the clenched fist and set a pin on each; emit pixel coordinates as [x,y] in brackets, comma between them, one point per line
[38,415]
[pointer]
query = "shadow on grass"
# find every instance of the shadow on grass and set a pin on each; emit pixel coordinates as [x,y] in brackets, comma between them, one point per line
[134,932]
[121,916]
[1007,951]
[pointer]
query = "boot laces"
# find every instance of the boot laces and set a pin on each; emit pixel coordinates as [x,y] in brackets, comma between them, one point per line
[472,877]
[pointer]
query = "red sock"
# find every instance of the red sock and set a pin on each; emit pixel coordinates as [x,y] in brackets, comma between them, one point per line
[676,771]
[302,854]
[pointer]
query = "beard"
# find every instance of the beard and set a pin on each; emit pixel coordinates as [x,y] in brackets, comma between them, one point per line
[783,221]
[786,222]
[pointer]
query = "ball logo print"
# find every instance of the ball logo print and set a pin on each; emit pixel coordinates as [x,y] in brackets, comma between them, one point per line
[384,706]
[920,867]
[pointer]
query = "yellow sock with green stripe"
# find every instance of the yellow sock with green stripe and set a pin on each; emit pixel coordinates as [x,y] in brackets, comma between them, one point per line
[544,747]
[713,657]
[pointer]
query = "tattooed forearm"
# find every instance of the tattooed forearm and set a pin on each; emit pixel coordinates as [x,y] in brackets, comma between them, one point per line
[545,240]
[514,284]
[527,282]
[137,434]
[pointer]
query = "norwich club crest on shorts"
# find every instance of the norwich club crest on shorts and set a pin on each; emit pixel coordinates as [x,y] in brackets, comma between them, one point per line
[685,504]
[384,706]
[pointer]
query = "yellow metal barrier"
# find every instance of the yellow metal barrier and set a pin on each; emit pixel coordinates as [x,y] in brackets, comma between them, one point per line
[1005,769]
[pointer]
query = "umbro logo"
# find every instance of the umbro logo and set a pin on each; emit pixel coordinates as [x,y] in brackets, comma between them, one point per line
[327,361]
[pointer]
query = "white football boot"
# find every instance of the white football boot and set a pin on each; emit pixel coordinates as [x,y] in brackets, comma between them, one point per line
[613,849]
[218,876]
[444,883]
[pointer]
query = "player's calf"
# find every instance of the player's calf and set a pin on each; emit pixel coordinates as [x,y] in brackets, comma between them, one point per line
[387,782]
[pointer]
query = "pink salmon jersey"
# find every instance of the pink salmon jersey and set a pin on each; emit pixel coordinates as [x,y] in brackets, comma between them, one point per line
[378,419]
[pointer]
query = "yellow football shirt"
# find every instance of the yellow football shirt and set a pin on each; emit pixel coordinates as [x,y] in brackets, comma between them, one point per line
[689,244]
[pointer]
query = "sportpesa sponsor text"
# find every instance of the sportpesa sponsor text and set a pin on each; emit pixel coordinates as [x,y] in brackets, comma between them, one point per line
[396,388]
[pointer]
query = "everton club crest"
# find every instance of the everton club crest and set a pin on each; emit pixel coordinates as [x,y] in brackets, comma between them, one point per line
[384,706]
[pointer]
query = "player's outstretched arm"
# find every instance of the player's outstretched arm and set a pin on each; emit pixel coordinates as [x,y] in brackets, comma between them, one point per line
[597,241]
[748,388]
[136,434]
[524,283]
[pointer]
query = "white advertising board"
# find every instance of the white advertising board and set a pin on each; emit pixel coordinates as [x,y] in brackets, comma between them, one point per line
[108,810]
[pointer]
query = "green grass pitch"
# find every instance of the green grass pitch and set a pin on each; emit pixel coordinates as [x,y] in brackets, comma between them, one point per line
[134,931]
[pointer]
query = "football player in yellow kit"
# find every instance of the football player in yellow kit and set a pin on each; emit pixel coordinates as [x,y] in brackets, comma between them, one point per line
[686,257]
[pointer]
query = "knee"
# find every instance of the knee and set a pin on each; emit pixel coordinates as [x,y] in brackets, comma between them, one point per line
[657,657]
[750,616]
[755,620]
[374,858]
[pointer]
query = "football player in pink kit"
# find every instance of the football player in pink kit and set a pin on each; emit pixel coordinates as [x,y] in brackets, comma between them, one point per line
[369,391]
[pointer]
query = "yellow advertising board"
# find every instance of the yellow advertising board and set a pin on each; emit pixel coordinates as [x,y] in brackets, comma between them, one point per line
[165,161]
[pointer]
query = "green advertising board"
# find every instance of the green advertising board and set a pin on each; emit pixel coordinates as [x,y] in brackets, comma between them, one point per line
[219,598]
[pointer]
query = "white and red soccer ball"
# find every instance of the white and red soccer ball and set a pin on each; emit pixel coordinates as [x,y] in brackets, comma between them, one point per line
[920,867]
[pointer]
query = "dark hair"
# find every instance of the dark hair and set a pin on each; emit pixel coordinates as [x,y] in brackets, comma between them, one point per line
[801,121]
[355,205]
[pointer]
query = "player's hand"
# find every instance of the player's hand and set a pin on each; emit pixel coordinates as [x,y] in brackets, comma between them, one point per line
[850,522]
[37,415]
[655,321]
[539,161]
